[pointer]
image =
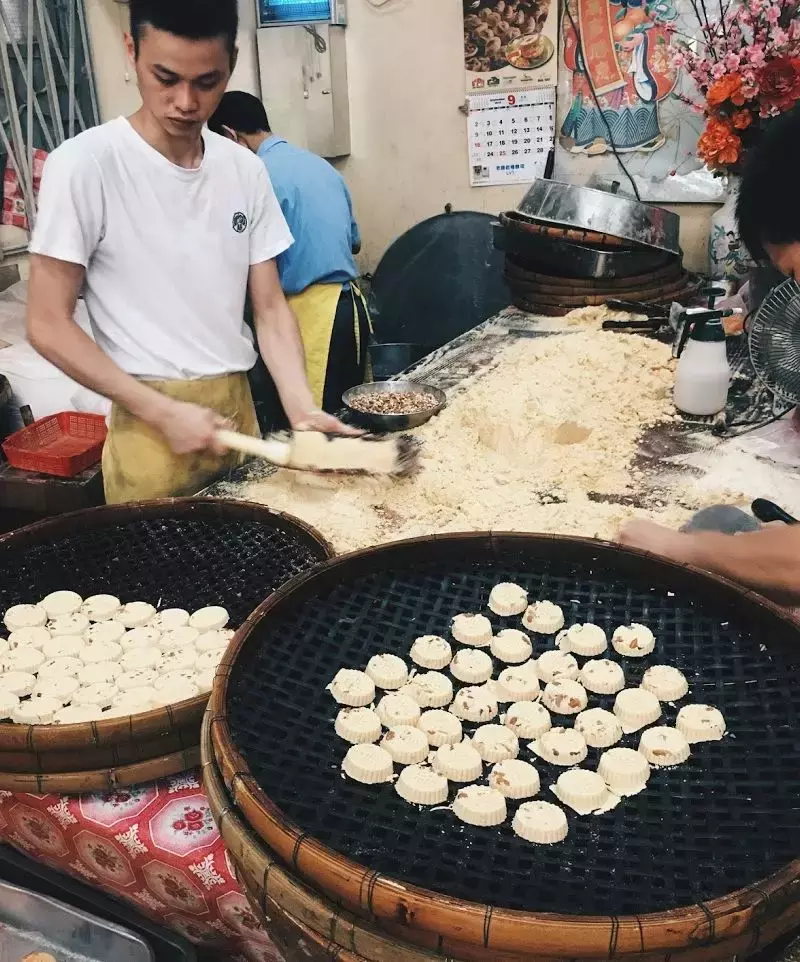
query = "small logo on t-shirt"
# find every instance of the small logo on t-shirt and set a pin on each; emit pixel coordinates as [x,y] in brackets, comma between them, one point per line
[239,222]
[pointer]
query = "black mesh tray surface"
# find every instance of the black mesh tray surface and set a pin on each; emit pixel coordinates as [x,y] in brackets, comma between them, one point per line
[175,554]
[728,818]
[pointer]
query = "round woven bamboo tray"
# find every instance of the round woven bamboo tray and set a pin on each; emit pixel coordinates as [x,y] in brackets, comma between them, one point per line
[187,552]
[278,893]
[297,942]
[112,756]
[385,590]
[530,225]
[101,780]
[525,279]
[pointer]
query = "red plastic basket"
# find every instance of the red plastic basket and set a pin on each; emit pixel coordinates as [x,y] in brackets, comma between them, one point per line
[63,444]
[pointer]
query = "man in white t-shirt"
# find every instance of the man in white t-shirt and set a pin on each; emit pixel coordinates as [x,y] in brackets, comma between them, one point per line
[162,225]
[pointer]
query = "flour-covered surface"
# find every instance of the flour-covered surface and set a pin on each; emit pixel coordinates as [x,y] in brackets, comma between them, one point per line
[549,427]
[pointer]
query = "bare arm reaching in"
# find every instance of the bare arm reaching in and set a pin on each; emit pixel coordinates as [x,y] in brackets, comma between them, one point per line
[282,350]
[767,561]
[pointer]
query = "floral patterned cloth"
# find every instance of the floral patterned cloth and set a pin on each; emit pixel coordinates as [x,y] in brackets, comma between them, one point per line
[155,846]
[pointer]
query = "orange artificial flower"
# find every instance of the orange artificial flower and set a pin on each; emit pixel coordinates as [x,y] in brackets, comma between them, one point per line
[724,89]
[718,145]
[742,119]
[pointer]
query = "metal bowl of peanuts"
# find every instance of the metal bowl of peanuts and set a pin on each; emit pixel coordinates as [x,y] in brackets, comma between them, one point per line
[393,405]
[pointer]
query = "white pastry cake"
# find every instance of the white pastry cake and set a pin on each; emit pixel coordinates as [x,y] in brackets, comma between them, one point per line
[431,689]
[633,641]
[603,677]
[29,637]
[101,607]
[407,744]
[474,630]
[540,823]
[584,792]
[395,709]
[61,603]
[440,727]
[480,805]
[60,667]
[495,743]
[474,704]
[507,599]
[352,688]
[75,625]
[599,727]
[635,708]
[431,651]
[560,746]
[170,618]
[180,638]
[146,637]
[99,651]
[369,764]
[527,719]
[515,779]
[511,646]
[565,697]
[584,640]
[19,683]
[665,682]
[543,618]
[664,747]
[421,785]
[387,671]
[136,614]
[458,763]
[517,684]
[105,632]
[697,723]
[359,726]
[557,664]
[624,770]
[471,666]
[24,616]
[212,618]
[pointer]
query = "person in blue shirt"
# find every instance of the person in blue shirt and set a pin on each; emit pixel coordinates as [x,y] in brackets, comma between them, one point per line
[318,272]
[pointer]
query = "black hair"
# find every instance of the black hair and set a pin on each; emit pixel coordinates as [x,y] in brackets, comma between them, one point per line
[241,112]
[192,19]
[768,206]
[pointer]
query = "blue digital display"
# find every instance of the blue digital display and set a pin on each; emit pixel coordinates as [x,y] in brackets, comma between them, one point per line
[293,11]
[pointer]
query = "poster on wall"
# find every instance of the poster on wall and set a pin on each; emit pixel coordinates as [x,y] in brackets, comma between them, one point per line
[510,44]
[510,136]
[618,86]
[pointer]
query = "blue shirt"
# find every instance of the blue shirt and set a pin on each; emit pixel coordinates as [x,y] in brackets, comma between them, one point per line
[319,210]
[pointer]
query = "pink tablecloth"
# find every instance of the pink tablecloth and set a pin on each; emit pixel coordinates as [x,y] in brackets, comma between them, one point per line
[156,846]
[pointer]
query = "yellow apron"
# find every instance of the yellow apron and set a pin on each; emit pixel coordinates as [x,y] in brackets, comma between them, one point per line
[138,465]
[315,309]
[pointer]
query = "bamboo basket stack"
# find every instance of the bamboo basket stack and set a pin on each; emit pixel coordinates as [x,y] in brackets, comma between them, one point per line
[319,904]
[203,550]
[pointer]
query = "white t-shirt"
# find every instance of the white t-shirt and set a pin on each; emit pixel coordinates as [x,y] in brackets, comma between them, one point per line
[167,250]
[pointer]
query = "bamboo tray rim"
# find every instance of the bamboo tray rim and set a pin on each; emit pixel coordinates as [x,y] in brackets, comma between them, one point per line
[503,929]
[231,825]
[159,720]
[102,779]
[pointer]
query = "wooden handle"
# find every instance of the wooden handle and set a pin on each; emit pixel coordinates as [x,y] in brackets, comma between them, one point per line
[272,450]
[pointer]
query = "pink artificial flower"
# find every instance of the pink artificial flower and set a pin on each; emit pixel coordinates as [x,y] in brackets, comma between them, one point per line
[756,6]
[755,56]
[779,37]
[678,60]
[732,62]
[773,13]
[718,70]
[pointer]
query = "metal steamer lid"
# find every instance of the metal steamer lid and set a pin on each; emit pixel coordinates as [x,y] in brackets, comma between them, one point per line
[774,341]
[586,208]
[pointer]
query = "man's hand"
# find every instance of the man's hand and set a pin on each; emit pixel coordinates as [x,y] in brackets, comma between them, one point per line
[188,428]
[655,538]
[325,423]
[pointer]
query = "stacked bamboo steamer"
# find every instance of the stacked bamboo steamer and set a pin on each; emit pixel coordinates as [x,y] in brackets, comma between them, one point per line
[148,552]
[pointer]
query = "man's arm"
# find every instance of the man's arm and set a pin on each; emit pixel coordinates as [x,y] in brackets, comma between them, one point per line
[767,561]
[282,349]
[53,292]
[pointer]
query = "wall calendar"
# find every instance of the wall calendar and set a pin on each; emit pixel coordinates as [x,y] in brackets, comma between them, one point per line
[511,136]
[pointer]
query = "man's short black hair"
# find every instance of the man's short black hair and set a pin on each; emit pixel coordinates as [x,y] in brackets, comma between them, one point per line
[241,112]
[768,208]
[192,19]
